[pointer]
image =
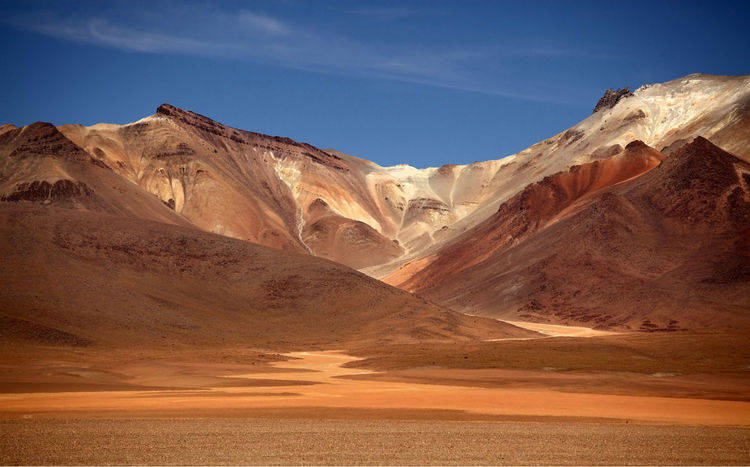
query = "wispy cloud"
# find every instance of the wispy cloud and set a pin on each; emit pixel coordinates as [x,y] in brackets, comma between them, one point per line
[390,13]
[256,36]
[262,23]
[101,32]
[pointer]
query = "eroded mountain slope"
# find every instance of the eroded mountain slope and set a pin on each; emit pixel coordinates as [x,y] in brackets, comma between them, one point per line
[535,207]
[39,164]
[89,258]
[263,188]
[664,116]
[667,250]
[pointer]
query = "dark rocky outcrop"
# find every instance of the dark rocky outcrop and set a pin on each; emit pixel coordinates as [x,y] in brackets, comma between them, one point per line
[612,97]
[428,204]
[44,191]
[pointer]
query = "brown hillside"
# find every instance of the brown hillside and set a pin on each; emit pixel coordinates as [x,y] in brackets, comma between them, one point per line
[530,210]
[665,251]
[77,277]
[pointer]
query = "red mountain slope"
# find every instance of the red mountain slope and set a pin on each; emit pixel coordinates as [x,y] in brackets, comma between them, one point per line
[530,210]
[666,250]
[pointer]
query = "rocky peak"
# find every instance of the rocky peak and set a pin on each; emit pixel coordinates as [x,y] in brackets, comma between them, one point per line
[701,159]
[702,184]
[191,118]
[274,143]
[612,97]
[42,139]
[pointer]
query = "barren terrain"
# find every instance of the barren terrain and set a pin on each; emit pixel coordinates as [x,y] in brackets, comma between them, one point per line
[253,407]
[320,379]
[318,440]
[664,251]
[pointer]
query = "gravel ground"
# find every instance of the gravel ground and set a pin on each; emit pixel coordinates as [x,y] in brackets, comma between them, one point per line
[286,441]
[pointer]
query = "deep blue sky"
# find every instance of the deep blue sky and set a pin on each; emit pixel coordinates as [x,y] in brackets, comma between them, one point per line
[420,82]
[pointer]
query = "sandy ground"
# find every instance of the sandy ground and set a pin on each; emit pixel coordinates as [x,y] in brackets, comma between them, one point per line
[390,442]
[556,330]
[334,388]
[312,409]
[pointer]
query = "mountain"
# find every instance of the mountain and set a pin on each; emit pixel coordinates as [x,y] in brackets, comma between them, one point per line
[39,164]
[270,190]
[663,116]
[487,237]
[603,246]
[536,206]
[77,277]
[90,258]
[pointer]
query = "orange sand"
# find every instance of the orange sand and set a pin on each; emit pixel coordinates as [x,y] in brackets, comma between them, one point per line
[334,390]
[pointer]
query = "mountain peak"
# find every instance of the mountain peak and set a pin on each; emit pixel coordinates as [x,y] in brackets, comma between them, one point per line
[41,139]
[170,110]
[612,97]
[165,108]
[703,149]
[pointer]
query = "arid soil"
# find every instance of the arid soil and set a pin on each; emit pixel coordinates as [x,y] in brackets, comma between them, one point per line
[692,365]
[333,387]
[306,407]
[556,330]
[308,441]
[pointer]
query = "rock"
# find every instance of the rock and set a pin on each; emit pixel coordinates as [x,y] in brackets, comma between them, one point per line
[45,191]
[612,97]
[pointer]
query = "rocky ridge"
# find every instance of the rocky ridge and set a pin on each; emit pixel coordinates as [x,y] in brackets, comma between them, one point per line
[611,98]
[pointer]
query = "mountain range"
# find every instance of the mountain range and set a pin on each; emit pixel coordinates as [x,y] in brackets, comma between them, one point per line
[180,228]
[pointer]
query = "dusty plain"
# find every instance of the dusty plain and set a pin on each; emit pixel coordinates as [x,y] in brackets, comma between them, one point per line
[351,441]
[606,399]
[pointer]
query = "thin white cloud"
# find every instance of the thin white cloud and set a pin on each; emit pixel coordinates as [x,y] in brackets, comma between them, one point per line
[262,23]
[248,35]
[101,32]
[385,13]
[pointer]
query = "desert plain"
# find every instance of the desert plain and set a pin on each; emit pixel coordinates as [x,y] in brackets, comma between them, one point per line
[587,399]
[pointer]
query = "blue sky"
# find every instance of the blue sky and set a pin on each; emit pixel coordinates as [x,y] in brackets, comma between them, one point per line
[423,82]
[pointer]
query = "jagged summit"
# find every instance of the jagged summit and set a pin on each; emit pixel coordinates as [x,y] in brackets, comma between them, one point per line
[611,98]
[243,136]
